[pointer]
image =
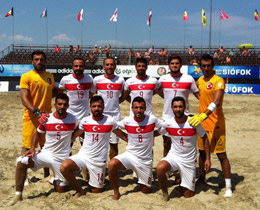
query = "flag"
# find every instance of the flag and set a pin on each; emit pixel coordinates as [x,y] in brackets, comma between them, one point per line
[44,13]
[204,18]
[185,15]
[80,15]
[11,12]
[149,17]
[114,16]
[256,15]
[223,15]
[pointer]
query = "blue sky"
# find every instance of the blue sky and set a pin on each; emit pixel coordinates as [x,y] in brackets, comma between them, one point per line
[167,25]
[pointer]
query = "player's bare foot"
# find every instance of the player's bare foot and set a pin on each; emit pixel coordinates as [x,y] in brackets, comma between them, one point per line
[77,195]
[165,196]
[116,196]
[201,180]
[16,199]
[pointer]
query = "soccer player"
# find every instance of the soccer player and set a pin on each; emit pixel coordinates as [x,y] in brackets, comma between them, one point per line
[110,87]
[37,88]
[183,153]
[79,88]
[172,85]
[139,151]
[211,88]
[58,129]
[141,85]
[93,153]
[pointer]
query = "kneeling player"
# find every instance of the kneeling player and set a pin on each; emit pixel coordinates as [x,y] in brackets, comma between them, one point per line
[58,129]
[183,153]
[93,153]
[139,151]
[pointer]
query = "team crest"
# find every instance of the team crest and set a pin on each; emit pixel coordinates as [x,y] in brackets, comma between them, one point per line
[49,80]
[220,85]
[209,86]
[161,71]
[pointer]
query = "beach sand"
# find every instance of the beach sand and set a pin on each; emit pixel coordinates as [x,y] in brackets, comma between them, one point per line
[242,115]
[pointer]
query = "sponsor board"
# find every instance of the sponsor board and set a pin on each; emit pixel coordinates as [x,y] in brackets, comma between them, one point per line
[4,86]
[242,89]
[14,70]
[236,72]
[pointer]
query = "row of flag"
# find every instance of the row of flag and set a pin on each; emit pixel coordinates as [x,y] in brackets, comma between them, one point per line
[114,16]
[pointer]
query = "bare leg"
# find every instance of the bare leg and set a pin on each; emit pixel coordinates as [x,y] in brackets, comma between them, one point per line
[113,150]
[166,145]
[202,159]
[187,193]
[162,168]
[225,165]
[113,166]
[67,169]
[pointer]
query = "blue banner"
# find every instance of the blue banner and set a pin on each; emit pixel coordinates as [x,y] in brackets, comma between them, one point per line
[14,70]
[236,72]
[242,89]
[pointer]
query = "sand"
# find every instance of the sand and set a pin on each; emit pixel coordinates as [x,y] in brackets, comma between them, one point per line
[243,146]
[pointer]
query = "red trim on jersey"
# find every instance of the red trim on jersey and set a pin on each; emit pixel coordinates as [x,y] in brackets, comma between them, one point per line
[176,85]
[141,87]
[41,127]
[140,78]
[109,86]
[98,128]
[76,77]
[60,127]
[78,86]
[108,77]
[140,129]
[54,115]
[181,131]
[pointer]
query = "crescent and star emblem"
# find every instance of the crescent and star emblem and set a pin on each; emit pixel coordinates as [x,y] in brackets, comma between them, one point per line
[180,132]
[209,86]
[79,86]
[174,84]
[96,128]
[139,130]
[57,127]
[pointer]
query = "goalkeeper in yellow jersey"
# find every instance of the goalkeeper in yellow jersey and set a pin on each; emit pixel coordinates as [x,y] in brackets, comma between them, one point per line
[211,89]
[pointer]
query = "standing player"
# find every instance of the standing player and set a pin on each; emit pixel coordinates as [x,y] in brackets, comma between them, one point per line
[93,153]
[58,129]
[37,88]
[183,153]
[110,87]
[141,85]
[139,151]
[211,116]
[172,85]
[79,87]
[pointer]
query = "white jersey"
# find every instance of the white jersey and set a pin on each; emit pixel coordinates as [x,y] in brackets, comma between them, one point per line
[141,136]
[58,135]
[96,141]
[176,86]
[110,90]
[143,88]
[78,92]
[183,138]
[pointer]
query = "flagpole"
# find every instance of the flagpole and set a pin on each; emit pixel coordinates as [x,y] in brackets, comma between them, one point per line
[150,35]
[13,29]
[184,35]
[116,39]
[81,38]
[219,31]
[47,41]
[201,36]
[210,26]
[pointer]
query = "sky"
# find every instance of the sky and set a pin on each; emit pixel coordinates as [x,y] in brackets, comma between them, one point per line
[167,27]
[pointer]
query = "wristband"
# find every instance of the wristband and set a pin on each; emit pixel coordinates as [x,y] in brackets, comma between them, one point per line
[37,113]
[212,107]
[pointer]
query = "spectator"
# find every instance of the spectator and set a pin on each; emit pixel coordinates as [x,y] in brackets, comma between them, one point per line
[107,50]
[87,58]
[152,50]
[228,59]
[191,50]
[147,54]
[245,52]
[78,49]
[70,50]
[138,54]
[95,50]
[57,49]
[130,56]
[151,62]
[194,62]
[92,58]
[100,52]
[232,52]
[164,52]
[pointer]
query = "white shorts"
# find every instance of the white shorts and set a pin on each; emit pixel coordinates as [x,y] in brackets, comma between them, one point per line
[96,169]
[144,172]
[114,139]
[188,174]
[44,160]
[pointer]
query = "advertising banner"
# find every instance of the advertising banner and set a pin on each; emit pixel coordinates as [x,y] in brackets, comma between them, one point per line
[14,70]
[242,89]
[4,86]
[236,72]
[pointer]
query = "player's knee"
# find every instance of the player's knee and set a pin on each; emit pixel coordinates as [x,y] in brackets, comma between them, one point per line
[222,156]
[64,167]
[161,168]
[112,164]
[21,166]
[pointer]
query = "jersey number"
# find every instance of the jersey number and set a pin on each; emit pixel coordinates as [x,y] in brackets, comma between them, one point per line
[109,94]
[140,138]
[181,141]
[100,177]
[95,137]
[142,94]
[58,136]
[80,94]
[175,93]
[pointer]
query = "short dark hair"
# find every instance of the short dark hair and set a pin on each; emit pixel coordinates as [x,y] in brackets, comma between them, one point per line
[96,98]
[109,57]
[78,58]
[141,60]
[38,52]
[138,99]
[178,98]
[174,57]
[207,57]
[62,96]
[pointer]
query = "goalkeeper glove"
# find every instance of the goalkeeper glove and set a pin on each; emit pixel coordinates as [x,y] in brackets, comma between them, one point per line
[41,116]
[197,119]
